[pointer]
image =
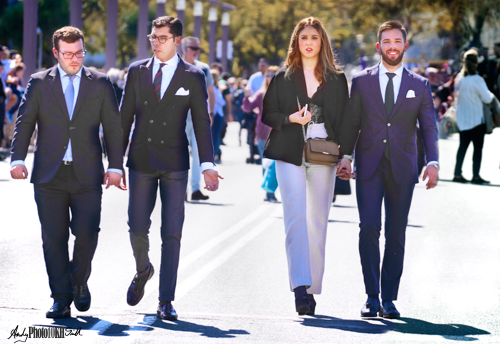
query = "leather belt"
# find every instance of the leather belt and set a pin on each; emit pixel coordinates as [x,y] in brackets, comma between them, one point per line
[67,163]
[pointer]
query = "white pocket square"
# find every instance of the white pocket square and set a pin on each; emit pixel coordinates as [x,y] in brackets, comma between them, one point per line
[410,94]
[182,92]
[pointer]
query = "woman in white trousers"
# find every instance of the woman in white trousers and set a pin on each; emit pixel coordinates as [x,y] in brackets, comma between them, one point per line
[305,99]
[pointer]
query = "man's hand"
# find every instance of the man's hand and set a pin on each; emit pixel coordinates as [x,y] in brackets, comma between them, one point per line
[299,117]
[114,178]
[344,170]
[432,172]
[19,172]
[211,179]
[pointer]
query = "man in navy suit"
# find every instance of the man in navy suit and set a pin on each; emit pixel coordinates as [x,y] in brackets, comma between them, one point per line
[69,102]
[386,102]
[158,94]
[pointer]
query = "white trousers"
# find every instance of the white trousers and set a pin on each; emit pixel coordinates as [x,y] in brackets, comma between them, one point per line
[306,194]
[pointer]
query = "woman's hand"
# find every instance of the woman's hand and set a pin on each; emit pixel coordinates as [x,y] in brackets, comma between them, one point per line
[299,117]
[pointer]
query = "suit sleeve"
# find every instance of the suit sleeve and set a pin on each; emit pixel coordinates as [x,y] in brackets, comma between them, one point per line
[127,108]
[112,129]
[428,125]
[198,102]
[342,101]
[352,120]
[271,115]
[26,120]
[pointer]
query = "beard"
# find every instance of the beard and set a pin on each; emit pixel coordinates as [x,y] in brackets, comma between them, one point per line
[389,61]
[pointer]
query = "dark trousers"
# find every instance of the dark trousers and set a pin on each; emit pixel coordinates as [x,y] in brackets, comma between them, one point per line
[397,201]
[54,201]
[476,135]
[216,130]
[142,199]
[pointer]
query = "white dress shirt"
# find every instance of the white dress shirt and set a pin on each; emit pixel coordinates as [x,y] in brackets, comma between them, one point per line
[471,92]
[168,71]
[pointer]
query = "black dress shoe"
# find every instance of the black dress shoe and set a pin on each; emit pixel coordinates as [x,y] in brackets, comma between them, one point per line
[198,196]
[136,290]
[389,311]
[82,297]
[302,304]
[60,309]
[479,180]
[312,304]
[370,308]
[459,179]
[166,311]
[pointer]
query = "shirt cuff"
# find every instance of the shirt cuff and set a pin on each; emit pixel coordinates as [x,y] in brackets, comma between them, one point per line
[17,162]
[115,170]
[433,163]
[207,166]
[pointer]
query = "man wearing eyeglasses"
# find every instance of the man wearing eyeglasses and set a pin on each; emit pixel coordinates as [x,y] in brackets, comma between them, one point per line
[68,103]
[158,94]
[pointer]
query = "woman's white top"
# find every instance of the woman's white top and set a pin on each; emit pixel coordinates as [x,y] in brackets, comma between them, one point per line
[471,92]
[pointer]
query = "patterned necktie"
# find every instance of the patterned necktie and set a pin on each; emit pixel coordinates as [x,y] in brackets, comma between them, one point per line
[157,82]
[69,95]
[389,94]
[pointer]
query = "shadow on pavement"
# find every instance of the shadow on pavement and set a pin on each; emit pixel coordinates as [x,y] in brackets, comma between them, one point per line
[451,181]
[456,332]
[203,330]
[209,203]
[342,221]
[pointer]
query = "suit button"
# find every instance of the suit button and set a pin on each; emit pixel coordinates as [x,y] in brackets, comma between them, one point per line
[65,147]
[164,123]
[145,103]
[149,140]
[385,141]
[161,142]
[151,121]
[388,124]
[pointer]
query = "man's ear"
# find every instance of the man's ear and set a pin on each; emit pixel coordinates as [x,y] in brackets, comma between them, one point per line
[178,40]
[55,52]
[377,45]
[406,46]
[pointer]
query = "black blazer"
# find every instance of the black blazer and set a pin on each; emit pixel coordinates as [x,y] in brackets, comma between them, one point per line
[286,141]
[43,103]
[159,140]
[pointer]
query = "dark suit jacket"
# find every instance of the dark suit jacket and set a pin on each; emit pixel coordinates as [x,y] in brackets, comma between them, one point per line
[367,122]
[43,103]
[286,141]
[159,140]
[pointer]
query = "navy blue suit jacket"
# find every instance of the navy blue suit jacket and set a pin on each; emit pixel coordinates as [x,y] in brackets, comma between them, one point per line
[159,140]
[367,123]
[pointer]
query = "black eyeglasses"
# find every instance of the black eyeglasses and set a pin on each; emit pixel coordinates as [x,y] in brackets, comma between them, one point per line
[69,56]
[161,39]
[193,48]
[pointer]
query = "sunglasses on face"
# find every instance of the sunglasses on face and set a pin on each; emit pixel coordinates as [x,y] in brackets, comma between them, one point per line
[269,75]
[194,48]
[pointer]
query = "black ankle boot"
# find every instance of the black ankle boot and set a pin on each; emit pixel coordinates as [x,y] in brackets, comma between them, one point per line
[301,300]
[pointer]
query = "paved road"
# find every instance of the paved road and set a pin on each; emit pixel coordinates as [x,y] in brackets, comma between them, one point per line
[233,285]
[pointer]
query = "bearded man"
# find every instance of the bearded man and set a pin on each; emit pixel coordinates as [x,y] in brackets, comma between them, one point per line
[386,102]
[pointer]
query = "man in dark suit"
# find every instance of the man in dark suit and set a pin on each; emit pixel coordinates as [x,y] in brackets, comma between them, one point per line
[386,102]
[68,102]
[159,92]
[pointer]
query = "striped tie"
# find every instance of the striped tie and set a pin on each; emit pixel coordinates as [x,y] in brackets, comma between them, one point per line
[157,82]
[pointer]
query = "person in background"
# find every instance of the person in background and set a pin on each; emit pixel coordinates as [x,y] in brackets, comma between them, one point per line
[218,117]
[251,103]
[310,79]
[471,92]
[257,79]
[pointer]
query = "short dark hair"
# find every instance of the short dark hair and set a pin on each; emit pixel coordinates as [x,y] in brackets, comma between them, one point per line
[68,34]
[391,25]
[174,24]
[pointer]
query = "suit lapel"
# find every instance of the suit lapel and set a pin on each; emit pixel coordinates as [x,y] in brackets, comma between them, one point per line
[55,82]
[300,87]
[375,86]
[146,75]
[84,88]
[403,89]
[177,81]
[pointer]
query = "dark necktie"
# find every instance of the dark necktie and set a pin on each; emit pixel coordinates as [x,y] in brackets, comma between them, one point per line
[389,94]
[157,82]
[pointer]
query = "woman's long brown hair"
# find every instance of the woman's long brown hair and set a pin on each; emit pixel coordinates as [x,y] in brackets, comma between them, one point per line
[326,58]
